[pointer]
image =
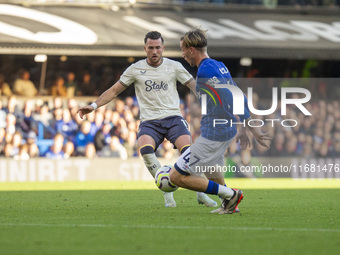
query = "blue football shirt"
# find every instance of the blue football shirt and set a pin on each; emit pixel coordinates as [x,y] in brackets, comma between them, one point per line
[216,123]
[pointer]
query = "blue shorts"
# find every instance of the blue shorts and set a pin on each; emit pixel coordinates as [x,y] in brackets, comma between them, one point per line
[170,128]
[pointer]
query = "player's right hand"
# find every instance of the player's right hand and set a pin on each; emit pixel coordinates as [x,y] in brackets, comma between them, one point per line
[85,110]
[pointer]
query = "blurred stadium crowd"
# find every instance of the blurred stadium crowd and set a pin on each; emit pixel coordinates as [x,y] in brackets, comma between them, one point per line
[267,3]
[38,127]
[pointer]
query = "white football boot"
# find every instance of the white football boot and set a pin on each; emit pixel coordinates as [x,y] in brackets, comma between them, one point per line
[169,199]
[221,209]
[230,206]
[203,198]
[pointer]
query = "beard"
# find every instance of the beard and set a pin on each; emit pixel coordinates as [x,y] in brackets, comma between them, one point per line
[154,60]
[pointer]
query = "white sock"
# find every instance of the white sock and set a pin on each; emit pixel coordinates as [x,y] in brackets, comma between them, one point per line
[225,192]
[200,193]
[151,162]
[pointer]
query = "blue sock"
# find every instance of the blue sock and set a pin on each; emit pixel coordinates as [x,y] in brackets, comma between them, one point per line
[212,188]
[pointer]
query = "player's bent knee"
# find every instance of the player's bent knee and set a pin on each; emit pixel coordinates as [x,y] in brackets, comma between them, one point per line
[173,176]
[184,148]
[176,178]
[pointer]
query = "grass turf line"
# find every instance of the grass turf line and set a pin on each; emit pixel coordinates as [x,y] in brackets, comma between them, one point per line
[272,221]
[241,183]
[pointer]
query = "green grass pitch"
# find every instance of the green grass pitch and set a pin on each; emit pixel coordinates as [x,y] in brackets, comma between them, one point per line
[277,217]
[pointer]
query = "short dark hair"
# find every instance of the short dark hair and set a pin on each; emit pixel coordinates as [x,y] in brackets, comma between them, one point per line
[153,35]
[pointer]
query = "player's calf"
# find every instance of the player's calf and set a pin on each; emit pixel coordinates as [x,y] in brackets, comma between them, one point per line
[150,160]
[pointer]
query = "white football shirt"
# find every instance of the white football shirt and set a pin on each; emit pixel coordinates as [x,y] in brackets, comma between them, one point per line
[155,87]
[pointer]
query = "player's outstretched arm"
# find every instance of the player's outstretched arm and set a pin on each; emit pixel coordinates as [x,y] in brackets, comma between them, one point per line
[103,99]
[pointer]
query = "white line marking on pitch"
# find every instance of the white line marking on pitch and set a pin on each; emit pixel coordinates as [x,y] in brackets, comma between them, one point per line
[167,227]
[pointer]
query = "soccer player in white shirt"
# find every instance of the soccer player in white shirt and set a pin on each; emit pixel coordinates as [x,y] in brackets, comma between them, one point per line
[155,81]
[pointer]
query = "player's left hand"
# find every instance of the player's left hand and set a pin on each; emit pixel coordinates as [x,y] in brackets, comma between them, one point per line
[243,139]
[85,110]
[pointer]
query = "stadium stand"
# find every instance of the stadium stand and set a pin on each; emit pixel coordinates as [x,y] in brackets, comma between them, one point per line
[73,80]
[317,136]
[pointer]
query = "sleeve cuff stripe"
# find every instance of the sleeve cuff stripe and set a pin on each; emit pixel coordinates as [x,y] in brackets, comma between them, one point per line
[188,81]
[123,84]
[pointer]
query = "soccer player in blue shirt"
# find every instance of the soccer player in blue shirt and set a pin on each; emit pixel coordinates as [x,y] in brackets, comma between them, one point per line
[217,131]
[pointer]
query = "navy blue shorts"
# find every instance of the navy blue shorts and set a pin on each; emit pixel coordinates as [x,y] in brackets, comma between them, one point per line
[170,128]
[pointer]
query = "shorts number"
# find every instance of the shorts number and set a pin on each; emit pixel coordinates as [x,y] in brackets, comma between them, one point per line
[186,158]
[185,124]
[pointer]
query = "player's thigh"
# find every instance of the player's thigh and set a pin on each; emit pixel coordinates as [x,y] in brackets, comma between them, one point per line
[176,177]
[183,141]
[177,131]
[150,133]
